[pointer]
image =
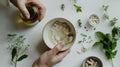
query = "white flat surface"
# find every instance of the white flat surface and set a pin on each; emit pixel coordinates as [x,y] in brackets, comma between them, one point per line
[34,34]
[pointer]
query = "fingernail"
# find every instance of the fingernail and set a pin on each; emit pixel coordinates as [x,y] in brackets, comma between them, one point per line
[27,16]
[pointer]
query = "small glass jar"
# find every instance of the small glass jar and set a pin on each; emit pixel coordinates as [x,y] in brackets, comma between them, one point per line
[33,11]
[94,20]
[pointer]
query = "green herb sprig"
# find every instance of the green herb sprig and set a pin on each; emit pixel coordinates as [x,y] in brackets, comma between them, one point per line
[116,32]
[105,7]
[17,48]
[62,7]
[79,23]
[78,8]
[106,16]
[113,21]
[109,42]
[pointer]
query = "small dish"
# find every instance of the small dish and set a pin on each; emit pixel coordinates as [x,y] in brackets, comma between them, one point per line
[94,20]
[49,37]
[92,62]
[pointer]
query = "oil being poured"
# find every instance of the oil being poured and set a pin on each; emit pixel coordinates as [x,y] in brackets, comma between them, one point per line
[33,11]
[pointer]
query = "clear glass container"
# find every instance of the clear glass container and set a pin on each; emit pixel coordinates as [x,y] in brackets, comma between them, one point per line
[33,11]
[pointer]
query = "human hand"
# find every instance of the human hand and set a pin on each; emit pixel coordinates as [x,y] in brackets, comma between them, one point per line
[21,5]
[51,57]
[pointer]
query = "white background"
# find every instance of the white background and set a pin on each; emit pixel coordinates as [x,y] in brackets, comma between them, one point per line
[34,34]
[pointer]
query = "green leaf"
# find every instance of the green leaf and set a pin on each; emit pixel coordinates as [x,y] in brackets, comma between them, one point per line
[14,52]
[108,54]
[79,23]
[109,37]
[113,46]
[22,57]
[114,54]
[106,16]
[105,46]
[113,21]
[78,8]
[100,35]
[116,32]
[96,44]
[62,7]
[105,7]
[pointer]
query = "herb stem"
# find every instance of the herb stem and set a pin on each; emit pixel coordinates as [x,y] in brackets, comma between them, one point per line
[16,59]
[15,64]
[112,63]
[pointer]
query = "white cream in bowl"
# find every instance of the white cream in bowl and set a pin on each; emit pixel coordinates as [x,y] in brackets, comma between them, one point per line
[57,30]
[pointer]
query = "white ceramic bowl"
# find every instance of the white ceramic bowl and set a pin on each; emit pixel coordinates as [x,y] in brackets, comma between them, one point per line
[46,32]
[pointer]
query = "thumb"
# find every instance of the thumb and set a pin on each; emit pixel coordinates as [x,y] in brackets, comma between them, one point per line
[24,11]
